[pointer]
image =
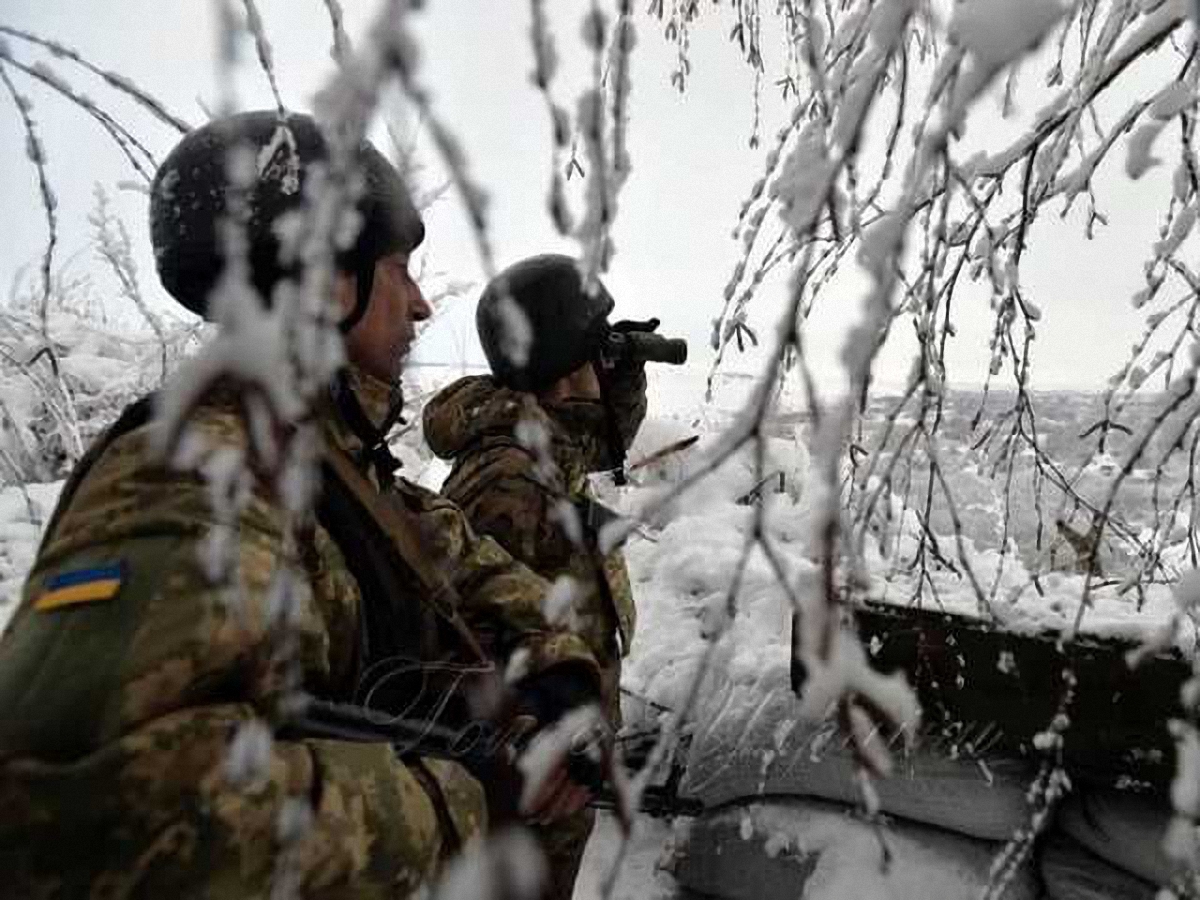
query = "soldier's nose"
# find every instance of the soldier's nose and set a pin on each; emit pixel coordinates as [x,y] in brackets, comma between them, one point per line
[421,309]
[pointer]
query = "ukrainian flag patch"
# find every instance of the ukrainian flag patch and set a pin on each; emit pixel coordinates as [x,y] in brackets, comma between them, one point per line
[80,586]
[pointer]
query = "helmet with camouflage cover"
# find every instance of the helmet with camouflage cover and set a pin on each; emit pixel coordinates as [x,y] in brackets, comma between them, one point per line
[566,321]
[188,201]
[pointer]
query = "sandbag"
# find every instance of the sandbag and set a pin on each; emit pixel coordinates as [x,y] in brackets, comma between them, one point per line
[1123,828]
[786,849]
[1069,872]
[763,748]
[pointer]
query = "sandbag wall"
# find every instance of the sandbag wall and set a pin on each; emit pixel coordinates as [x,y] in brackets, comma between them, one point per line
[783,795]
[784,820]
[1107,843]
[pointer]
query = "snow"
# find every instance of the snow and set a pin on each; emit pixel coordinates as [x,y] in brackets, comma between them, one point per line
[248,760]
[1140,157]
[23,513]
[557,606]
[516,334]
[1172,100]
[836,855]
[802,181]
[1185,791]
[1181,227]
[544,55]
[998,33]
[681,564]
[643,874]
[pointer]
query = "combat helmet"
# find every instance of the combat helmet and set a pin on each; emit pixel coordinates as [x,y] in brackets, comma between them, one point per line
[188,201]
[567,323]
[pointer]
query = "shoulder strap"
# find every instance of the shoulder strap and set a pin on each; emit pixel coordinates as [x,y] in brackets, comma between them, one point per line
[133,417]
[402,530]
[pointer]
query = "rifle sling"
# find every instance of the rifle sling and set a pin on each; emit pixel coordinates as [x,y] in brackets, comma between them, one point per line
[402,530]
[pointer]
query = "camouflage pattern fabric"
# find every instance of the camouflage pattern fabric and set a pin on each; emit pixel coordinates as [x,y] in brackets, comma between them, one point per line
[501,599]
[511,495]
[116,775]
[157,813]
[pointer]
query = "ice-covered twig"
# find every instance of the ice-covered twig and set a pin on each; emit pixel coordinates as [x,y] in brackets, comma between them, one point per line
[1155,28]
[1050,786]
[262,45]
[399,54]
[545,67]
[593,229]
[1180,392]
[36,153]
[340,51]
[121,136]
[114,247]
[115,80]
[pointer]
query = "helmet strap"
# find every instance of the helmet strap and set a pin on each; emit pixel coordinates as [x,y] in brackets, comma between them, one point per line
[364,282]
[375,452]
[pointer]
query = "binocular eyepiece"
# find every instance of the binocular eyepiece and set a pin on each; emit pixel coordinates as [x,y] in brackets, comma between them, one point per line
[644,346]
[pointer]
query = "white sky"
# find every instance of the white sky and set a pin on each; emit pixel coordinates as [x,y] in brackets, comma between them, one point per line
[692,167]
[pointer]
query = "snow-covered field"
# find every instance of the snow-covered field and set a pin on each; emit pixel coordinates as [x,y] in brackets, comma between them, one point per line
[682,561]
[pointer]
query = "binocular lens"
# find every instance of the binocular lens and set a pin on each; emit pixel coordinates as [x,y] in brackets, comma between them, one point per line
[645,346]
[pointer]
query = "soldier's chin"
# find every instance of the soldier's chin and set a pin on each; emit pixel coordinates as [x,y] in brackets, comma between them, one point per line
[399,361]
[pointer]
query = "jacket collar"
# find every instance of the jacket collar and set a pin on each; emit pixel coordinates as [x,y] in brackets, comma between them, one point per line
[363,410]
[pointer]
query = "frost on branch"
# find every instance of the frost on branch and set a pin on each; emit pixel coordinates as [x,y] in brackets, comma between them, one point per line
[998,34]
[1141,146]
[801,185]
[870,170]
[115,80]
[867,175]
[515,331]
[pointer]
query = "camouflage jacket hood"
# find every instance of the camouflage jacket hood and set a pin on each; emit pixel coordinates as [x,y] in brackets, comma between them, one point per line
[475,411]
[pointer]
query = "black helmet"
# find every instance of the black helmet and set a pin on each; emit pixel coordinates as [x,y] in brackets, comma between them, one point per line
[188,200]
[567,322]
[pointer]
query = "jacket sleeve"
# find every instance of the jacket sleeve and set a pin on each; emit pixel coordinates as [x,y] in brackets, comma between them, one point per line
[502,498]
[627,394]
[585,421]
[177,626]
[507,503]
[500,599]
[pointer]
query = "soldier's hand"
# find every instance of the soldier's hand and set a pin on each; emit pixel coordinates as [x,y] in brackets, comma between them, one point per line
[558,797]
[560,776]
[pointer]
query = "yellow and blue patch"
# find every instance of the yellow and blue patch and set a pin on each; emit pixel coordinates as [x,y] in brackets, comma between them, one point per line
[80,586]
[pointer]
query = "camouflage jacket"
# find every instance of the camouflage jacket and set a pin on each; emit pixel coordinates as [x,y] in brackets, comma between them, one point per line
[514,493]
[132,660]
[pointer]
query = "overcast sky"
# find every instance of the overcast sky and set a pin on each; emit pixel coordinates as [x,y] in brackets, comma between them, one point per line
[692,167]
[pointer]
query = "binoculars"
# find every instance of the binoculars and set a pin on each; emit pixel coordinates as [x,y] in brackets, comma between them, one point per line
[635,342]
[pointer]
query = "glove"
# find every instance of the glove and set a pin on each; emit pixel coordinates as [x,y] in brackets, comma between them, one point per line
[563,778]
[553,692]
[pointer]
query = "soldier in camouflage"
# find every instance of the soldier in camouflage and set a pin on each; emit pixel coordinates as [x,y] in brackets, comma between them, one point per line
[144,748]
[523,442]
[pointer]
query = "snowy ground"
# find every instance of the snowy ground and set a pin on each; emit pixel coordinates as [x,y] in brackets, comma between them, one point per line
[23,512]
[641,877]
